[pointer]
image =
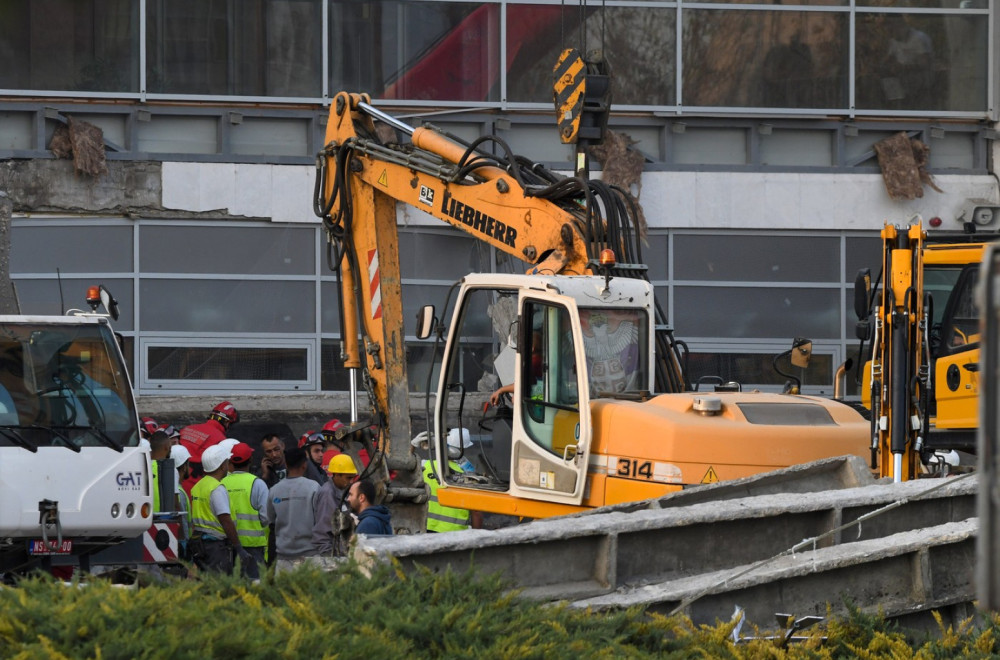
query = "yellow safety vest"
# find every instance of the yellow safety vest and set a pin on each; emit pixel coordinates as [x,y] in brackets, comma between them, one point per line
[202,519]
[442,518]
[156,485]
[252,534]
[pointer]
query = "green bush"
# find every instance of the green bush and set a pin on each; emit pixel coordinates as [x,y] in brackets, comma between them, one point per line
[342,614]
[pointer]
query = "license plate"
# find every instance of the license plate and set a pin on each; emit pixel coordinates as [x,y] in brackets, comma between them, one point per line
[39,547]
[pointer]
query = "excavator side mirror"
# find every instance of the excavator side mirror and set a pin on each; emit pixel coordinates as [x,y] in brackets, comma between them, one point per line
[801,352]
[425,321]
[862,293]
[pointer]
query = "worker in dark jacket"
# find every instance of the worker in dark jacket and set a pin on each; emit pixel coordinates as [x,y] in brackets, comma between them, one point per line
[373,519]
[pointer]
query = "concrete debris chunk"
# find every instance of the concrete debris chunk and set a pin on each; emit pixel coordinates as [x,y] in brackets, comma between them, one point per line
[904,166]
[85,143]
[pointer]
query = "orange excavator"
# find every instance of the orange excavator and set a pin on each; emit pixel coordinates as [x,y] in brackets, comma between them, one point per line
[600,410]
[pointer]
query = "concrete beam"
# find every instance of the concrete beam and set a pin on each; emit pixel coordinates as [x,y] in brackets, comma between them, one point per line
[584,557]
[899,574]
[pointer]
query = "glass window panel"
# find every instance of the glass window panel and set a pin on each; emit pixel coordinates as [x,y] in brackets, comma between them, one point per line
[204,306]
[806,3]
[269,250]
[921,62]
[421,361]
[106,249]
[539,143]
[222,48]
[70,45]
[416,296]
[464,255]
[329,307]
[113,126]
[756,258]
[226,363]
[271,137]
[765,59]
[751,369]
[178,135]
[638,42]
[744,313]
[953,151]
[333,376]
[862,145]
[943,4]
[16,130]
[416,50]
[863,252]
[710,146]
[52,297]
[655,254]
[646,139]
[797,148]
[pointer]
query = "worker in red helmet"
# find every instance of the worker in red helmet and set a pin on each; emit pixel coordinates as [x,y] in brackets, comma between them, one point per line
[314,445]
[199,437]
[147,427]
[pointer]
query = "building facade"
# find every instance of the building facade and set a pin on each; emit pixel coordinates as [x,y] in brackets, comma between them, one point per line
[756,123]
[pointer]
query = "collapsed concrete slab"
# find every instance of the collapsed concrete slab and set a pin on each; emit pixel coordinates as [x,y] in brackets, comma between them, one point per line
[608,554]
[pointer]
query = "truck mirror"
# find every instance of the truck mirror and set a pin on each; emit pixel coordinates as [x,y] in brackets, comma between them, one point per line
[863,330]
[425,321]
[862,293]
[109,303]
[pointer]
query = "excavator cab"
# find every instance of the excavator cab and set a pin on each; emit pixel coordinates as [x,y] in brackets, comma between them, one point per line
[556,348]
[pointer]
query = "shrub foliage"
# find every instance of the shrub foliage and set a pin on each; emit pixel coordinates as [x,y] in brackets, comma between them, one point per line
[343,614]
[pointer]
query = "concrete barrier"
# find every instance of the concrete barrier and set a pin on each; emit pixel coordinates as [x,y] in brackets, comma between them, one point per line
[591,558]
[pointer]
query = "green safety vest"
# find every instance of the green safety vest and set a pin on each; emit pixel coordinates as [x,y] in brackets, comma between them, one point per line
[156,485]
[202,519]
[442,518]
[252,534]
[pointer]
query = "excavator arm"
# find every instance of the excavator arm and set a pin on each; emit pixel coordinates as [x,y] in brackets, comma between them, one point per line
[558,225]
[899,369]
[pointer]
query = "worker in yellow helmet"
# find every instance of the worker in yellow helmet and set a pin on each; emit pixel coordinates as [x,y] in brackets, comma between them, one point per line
[331,517]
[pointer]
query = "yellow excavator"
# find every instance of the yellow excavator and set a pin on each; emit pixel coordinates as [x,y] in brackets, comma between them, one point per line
[600,411]
[921,378]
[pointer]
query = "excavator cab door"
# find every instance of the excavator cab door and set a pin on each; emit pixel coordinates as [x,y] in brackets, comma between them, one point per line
[551,434]
[956,370]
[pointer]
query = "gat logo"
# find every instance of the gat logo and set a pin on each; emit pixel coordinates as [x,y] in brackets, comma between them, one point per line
[129,480]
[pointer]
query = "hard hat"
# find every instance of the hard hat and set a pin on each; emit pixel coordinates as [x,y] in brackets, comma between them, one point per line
[453,439]
[180,455]
[241,454]
[225,411]
[341,464]
[311,438]
[327,455]
[170,430]
[148,426]
[333,426]
[228,443]
[213,458]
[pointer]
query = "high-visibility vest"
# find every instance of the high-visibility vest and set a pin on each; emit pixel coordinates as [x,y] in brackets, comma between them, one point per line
[156,485]
[442,518]
[202,519]
[252,534]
